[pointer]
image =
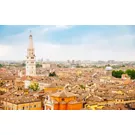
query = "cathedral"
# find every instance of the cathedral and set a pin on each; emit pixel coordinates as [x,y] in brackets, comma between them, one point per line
[30,59]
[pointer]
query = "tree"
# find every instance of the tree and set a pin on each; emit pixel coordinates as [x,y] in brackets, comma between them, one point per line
[23,64]
[123,66]
[38,65]
[77,66]
[34,86]
[52,74]
[82,86]
[130,73]
[59,66]
[117,74]
[1,83]
[1,65]
[94,66]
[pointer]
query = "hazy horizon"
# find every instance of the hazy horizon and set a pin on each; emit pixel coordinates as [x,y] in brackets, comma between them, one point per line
[62,43]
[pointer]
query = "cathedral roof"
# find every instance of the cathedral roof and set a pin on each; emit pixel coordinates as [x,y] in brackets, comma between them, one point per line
[108,68]
[63,94]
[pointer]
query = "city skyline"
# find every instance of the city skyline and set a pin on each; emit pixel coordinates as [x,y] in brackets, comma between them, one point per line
[78,42]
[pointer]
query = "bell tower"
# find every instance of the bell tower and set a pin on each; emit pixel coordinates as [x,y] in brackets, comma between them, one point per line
[30,58]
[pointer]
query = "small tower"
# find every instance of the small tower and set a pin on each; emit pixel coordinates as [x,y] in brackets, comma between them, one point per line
[30,60]
[108,70]
[20,73]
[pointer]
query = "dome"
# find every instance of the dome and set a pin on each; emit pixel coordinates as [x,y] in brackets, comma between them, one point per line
[108,68]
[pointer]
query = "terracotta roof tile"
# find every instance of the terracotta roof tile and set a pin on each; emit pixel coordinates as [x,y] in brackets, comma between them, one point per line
[63,94]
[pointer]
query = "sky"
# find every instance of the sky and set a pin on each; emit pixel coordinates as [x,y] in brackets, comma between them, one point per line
[66,42]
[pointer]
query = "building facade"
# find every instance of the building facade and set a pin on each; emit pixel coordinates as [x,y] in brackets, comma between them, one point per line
[42,85]
[62,100]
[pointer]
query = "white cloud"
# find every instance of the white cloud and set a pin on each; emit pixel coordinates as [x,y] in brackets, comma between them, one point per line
[39,33]
[4,50]
[63,26]
[87,47]
[55,28]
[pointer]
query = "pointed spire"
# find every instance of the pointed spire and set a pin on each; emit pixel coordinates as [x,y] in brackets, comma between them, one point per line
[30,34]
[30,40]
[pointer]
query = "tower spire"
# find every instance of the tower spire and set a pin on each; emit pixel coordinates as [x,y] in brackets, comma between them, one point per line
[30,61]
[30,40]
[30,34]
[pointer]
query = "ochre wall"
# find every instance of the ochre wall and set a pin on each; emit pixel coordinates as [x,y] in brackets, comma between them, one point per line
[128,81]
[4,89]
[48,108]
[77,106]
[27,106]
[53,89]
[59,99]
[38,106]
[67,106]
[56,107]
[62,106]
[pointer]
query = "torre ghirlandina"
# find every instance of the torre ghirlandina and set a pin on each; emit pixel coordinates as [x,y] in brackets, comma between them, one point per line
[30,60]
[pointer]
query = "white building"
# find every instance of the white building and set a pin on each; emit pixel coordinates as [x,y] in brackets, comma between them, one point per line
[27,84]
[108,71]
[42,85]
[49,65]
[46,66]
[20,73]
[30,61]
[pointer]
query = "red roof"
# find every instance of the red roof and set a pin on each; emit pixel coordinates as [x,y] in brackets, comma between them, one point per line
[23,78]
[2,70]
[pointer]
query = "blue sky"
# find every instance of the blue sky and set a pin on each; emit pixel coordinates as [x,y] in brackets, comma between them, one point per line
[78,42]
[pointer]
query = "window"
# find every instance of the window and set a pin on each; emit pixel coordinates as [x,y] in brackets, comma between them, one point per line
[62,99]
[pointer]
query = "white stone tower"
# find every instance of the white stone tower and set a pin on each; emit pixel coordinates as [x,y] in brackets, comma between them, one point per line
[30,60]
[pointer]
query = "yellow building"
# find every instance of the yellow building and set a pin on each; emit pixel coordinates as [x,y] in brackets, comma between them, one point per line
[20,100]
[126,79]
[53,89]
[4,89]
[8,79]
[79,73]
[94,107]
[19,85]
[35,105]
